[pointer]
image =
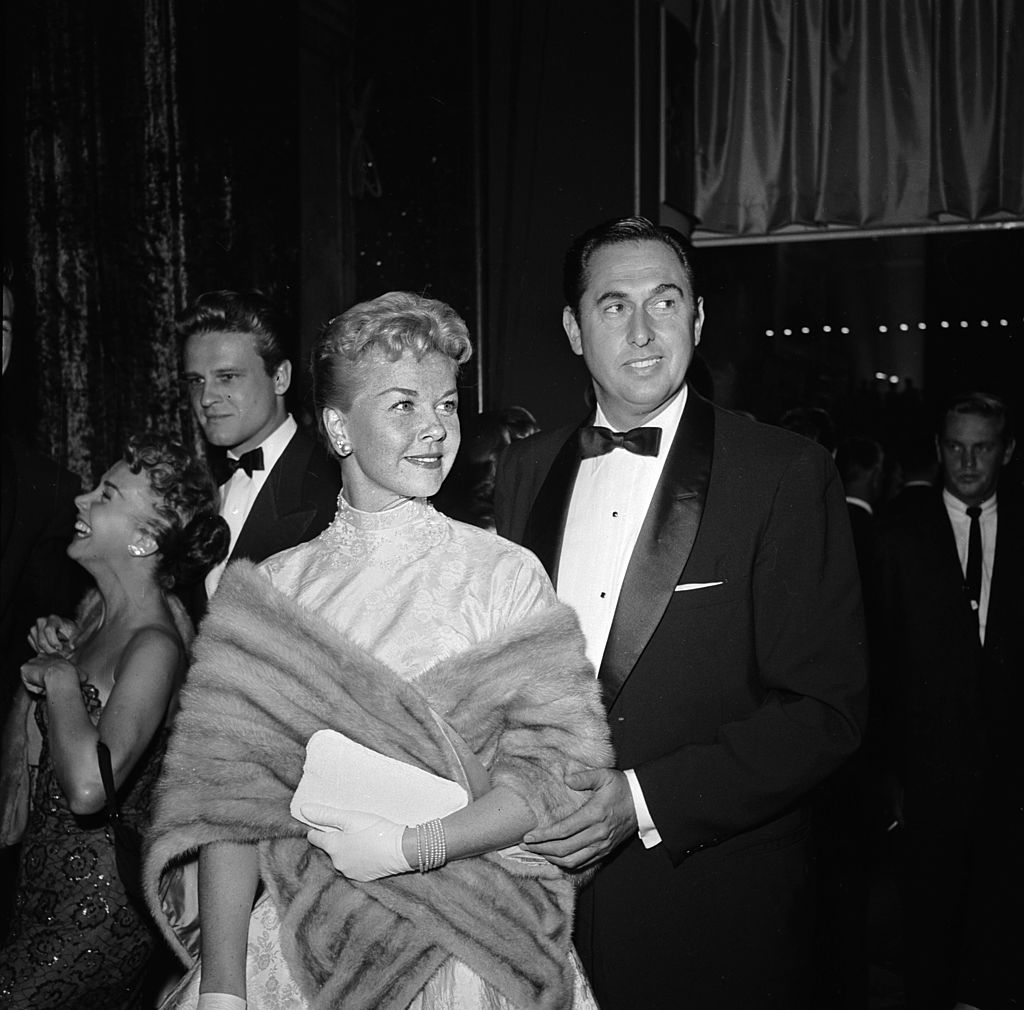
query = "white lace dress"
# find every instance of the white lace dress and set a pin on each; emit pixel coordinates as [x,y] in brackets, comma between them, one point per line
[412,587]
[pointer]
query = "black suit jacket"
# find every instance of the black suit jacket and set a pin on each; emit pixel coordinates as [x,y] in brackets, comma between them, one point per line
[37,516]
[730,702]
[950,715]
[957,702]
[298,500]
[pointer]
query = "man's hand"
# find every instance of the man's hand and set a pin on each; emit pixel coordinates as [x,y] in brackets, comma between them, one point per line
[361,846]
[53,635]
[601,825]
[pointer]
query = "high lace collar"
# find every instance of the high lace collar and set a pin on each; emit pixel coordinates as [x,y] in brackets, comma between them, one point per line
[390,538]
[406,511]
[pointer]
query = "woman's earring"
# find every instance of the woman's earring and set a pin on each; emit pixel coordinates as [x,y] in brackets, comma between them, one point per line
[136,551]
[344,448]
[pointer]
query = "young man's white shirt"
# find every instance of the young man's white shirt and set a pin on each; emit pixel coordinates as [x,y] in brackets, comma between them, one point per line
[240,491]
[961,523]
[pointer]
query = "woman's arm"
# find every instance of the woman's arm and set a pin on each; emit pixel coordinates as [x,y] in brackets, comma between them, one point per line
[145,680]
[368,847]
[228,874]
[498,819]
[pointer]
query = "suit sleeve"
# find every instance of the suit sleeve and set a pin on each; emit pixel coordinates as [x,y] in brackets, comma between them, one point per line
[805,667]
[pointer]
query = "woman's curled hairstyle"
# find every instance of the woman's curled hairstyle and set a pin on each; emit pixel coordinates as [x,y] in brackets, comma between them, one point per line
[190,535]
[392,324]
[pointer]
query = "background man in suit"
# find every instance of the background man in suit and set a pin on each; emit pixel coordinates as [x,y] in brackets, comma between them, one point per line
[951,650]
[847,816]
[279,487]
[861,465]
[716,586]
[917,468]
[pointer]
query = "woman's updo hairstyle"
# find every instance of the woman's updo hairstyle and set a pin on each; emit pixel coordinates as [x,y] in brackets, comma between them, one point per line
[190,535]
[394,323]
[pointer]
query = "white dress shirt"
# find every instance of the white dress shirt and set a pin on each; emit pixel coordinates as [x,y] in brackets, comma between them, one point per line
[609,504]
[961,523]
[238,493]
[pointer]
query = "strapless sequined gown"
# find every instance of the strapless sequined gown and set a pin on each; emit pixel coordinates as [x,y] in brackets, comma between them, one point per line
[75,941]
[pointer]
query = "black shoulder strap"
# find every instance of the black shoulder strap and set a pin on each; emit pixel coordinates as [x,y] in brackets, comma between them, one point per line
[107,775]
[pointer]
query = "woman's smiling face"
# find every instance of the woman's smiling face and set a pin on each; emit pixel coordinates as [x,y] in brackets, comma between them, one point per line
[403,426]
[113,515]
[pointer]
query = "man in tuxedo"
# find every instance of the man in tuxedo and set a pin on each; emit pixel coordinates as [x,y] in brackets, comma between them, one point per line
[950,587]
[710,560]
[279,487]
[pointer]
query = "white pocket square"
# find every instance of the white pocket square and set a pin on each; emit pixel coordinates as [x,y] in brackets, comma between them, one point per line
[696,585]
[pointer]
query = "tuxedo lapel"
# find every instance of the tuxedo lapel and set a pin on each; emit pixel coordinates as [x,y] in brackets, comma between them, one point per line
[663,546]
[546,525]
[278,516]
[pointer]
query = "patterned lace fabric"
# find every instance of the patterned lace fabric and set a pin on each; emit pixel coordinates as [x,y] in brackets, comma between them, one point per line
[411,585]
[75,941]
[387,540]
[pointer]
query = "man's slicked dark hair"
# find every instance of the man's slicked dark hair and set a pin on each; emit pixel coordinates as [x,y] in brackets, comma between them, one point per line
[618,230]
[980,404]
[238,312]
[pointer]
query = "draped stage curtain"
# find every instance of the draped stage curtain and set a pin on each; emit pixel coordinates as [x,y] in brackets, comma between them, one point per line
[867,115]
[104,243]
[158,162]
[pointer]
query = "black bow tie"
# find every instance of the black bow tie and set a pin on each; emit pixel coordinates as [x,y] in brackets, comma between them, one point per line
[248,461]
[596,441]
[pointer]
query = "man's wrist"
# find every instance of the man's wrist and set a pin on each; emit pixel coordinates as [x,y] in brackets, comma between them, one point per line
[644,822]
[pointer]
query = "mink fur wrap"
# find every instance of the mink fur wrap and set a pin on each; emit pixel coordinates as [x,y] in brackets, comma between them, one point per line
[267,675]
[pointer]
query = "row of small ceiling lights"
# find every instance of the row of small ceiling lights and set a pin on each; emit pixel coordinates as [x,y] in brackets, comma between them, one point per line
[945,324]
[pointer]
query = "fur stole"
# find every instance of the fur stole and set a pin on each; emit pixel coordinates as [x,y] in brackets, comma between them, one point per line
[267,675]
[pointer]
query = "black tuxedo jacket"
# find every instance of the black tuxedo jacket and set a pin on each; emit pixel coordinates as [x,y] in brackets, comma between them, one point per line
[297,501]
[730,702]
[37,516]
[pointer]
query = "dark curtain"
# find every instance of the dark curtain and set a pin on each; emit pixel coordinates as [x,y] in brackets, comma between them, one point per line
[840,112]
[158,161]
[104,243]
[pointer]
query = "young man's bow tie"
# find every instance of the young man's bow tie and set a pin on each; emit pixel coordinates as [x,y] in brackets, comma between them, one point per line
[248,461]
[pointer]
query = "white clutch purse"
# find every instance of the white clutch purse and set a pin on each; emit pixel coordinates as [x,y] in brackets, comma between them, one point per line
[341,773]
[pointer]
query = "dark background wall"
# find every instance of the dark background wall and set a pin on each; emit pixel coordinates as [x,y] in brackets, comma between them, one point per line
[332,150]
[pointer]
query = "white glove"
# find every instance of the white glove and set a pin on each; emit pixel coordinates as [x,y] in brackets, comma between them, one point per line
[361,846]
[220,1001]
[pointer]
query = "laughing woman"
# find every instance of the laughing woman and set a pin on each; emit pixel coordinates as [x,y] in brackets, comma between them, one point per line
[77,940]
[436,657]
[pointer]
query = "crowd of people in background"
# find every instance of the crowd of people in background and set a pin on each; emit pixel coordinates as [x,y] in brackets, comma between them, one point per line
[685,698]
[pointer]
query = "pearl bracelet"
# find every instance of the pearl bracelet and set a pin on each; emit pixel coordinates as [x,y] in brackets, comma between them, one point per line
[431,848]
